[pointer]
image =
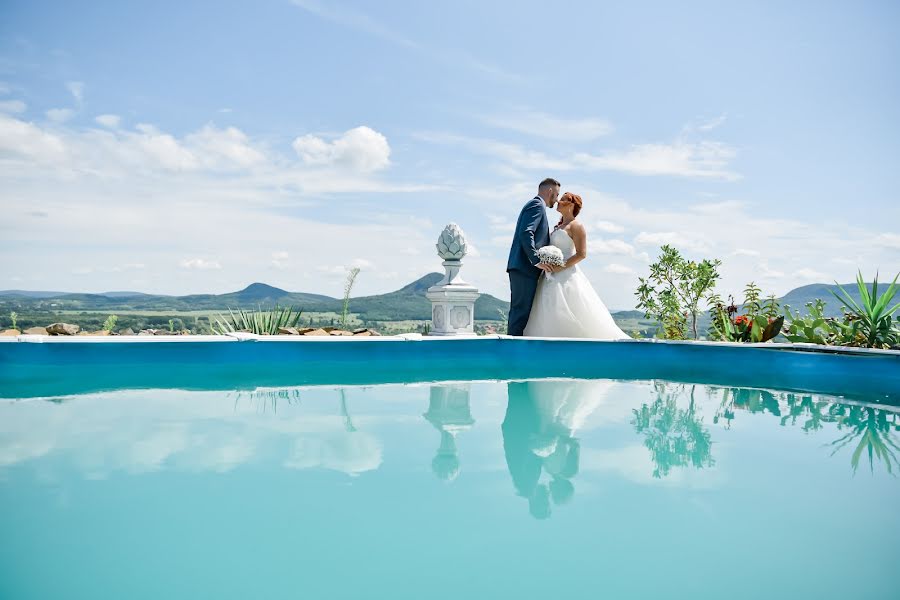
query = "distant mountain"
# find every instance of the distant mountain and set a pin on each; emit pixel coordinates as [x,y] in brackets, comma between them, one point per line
[410,303]
[407,303]
[118,294]
[798,297]
[27,294]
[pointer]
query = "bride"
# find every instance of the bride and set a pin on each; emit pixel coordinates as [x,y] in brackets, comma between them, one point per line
[565,304]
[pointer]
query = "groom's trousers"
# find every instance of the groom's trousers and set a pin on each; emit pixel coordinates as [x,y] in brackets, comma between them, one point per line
[521,297]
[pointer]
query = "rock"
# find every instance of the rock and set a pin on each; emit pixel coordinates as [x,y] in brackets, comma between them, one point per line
[35,331]
[164,332]
[126,331]
[366,332]
[10,332]
[317,332]
[62,329]
[305,330]
[288,331]
[144,332]
[339,332]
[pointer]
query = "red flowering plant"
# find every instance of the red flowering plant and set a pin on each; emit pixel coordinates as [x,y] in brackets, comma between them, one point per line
[759,322]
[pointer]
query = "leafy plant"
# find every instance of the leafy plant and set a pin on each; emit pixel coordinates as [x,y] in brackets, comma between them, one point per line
[14,317]
[674,289]
[260,322]
[873,319]
[759,323]
[815,328]
[110,323]
[351,279]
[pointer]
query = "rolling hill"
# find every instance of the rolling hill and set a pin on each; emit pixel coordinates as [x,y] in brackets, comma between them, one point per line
[407,303]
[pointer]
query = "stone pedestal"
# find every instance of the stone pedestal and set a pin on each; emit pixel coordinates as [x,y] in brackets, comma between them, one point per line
[452,299]
[449,412]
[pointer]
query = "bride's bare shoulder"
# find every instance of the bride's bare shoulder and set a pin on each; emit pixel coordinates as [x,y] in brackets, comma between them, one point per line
[575,227]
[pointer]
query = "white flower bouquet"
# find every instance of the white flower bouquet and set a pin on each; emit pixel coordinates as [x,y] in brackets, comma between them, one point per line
[551,255]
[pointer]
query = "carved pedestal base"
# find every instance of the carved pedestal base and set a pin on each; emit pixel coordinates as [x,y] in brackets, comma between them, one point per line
[452,309]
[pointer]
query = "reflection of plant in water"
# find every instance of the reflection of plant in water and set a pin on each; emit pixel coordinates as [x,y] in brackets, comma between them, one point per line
[675,437]
[264,398]
[747,399]
[348,422]
[874,428]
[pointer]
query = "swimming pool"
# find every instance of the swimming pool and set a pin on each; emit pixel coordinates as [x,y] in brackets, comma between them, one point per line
[215,484]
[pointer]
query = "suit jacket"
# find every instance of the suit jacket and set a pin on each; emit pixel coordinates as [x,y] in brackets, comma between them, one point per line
[532,232]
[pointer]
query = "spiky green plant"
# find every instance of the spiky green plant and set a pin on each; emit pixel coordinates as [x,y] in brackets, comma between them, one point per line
[872,319]
[260,322]
[110,323]
[14,317]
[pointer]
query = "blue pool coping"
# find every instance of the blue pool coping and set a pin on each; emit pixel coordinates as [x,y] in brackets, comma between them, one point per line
[52,366]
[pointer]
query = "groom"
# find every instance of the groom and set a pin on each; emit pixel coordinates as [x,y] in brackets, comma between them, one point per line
[524,268]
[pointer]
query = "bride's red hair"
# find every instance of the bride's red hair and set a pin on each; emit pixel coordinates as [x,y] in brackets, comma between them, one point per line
[575,199]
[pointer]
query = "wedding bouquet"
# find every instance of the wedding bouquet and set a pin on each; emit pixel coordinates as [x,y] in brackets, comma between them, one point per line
[551,255]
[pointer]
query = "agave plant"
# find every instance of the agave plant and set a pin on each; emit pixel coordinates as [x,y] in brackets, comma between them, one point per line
[260,322]
[873,318]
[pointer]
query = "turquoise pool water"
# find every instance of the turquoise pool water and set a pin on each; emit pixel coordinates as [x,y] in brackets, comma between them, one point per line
[531,489]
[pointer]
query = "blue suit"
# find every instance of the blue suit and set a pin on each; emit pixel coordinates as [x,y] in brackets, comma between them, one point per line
[532,232]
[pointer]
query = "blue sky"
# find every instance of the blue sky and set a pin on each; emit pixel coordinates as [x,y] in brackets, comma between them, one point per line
[197,147]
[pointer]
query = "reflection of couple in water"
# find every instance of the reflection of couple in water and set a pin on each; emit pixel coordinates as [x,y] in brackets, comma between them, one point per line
[539,437]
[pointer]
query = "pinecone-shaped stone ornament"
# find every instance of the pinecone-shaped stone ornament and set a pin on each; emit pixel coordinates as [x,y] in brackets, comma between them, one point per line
[452,243]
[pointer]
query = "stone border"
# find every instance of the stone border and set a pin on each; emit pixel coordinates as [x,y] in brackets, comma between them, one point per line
[408,337]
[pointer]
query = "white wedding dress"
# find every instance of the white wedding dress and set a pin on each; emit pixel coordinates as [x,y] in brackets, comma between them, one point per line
[565,304]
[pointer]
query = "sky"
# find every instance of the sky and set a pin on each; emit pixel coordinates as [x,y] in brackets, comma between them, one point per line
[197,147]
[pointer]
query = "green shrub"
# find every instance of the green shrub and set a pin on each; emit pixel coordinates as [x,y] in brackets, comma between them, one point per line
[672,293]
[110,323]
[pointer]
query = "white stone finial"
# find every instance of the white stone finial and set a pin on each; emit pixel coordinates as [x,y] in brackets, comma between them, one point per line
[452,299]
[452,243]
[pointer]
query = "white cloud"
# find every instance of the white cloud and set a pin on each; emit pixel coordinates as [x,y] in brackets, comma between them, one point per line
[361,149]
[550,126]
[230,146]
[765,272]
[810,274]
[618,269]
[744,252]
[60,115]
[608,227]
[23,140]
[280,259]
[888,240]
[613,246]
[111,121]
[679,240]
[706,124]
[13,106]
[703,159]
[200,263]
[76,88]
[354,20]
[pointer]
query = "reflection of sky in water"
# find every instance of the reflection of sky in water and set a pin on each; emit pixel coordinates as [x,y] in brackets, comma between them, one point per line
[561,480]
